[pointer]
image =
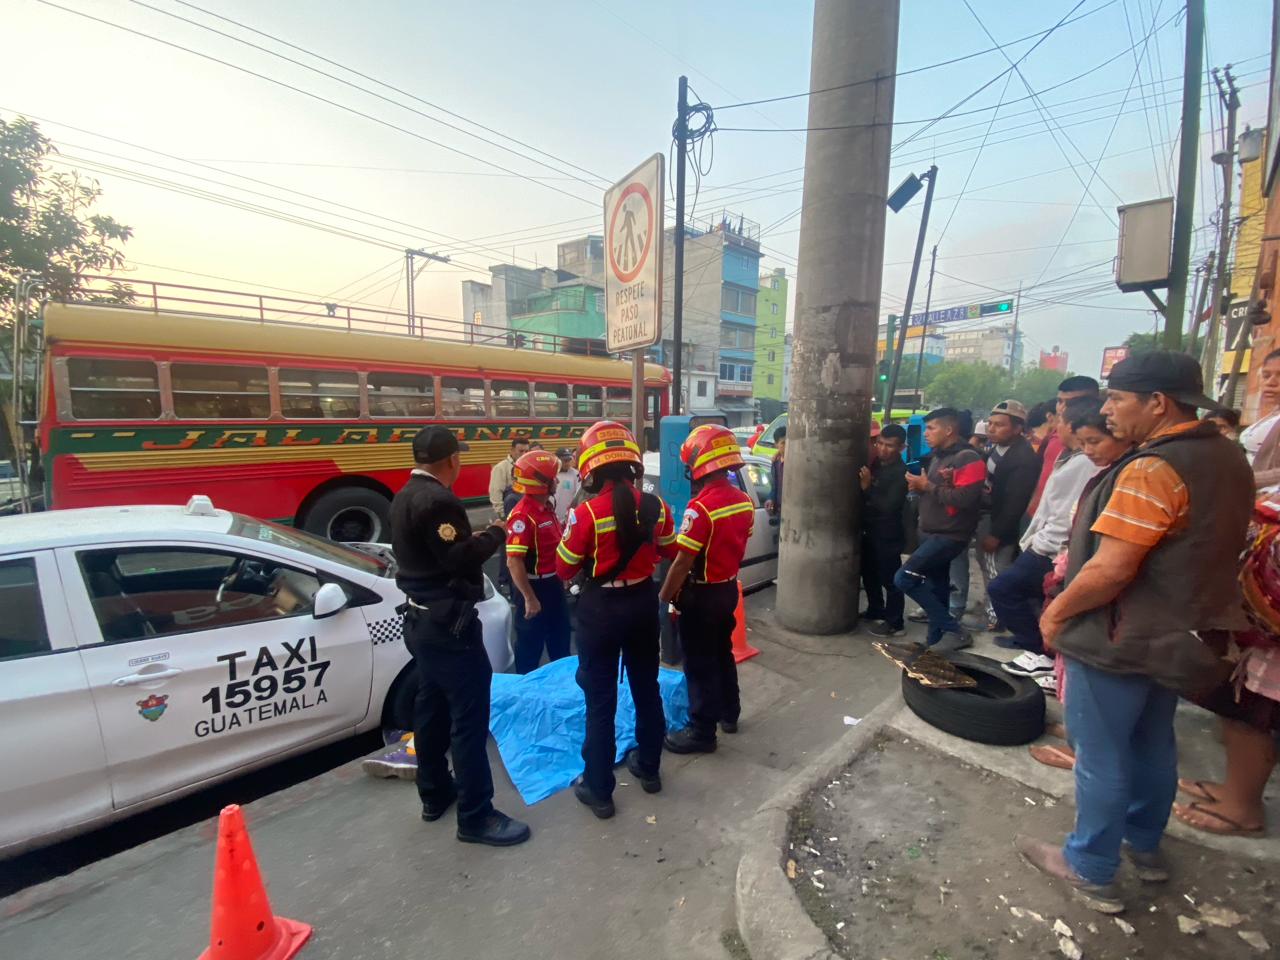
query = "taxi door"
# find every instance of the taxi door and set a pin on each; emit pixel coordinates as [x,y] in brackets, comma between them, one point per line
[202,659]
[52,765]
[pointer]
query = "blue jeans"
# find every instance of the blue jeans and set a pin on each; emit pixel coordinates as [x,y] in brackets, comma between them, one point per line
[926,579]
[1016,596]
[1121,726]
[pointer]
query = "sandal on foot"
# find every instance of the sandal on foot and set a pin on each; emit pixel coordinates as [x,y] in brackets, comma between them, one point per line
[1052,755]
[1219,823]
[1198,790]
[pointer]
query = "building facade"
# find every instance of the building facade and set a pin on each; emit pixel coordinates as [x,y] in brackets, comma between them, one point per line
[771,337]
[721,289]
[994,345]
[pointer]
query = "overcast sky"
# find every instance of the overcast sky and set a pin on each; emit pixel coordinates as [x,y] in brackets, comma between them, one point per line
[592,83]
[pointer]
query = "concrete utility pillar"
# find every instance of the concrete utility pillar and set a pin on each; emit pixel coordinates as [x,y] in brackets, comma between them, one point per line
[846,181]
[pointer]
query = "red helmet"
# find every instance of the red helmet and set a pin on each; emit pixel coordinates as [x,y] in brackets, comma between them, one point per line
[607,441]
[535,472]
[709,448]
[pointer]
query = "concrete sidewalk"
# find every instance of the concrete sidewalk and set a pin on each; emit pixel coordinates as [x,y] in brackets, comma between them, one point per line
[774,924]
[349,854]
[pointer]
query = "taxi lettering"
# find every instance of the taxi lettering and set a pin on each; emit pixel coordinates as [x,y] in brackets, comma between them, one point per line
[253,689]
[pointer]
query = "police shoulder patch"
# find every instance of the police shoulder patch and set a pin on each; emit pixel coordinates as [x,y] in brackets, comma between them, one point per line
[447,532]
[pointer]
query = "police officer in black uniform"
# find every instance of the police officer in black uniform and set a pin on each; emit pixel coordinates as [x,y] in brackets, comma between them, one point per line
[439,569]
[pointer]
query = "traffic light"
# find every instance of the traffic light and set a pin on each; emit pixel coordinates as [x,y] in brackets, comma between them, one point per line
[991,309]
[883,367]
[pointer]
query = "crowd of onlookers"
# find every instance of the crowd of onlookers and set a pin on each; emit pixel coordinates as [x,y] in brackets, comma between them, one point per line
[1129,549]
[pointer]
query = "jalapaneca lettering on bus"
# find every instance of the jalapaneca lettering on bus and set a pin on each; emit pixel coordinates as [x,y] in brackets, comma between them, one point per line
[276,683]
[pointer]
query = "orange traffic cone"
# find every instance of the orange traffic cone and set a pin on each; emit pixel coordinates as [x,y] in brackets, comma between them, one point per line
[741,649]
[243,926]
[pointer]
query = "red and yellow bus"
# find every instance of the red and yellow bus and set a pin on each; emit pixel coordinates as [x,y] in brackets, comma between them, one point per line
[297,422]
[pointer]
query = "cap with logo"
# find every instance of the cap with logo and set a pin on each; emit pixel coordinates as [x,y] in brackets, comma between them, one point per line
[433,444]
[1011,408]
[1176,375]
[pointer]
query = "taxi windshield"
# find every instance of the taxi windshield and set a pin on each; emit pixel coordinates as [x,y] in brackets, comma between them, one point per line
[263,531]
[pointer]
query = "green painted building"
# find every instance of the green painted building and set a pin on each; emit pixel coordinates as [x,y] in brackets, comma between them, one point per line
[573,310]
[771,332]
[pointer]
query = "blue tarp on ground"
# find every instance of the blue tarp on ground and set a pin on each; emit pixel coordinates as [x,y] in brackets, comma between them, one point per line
[539,721]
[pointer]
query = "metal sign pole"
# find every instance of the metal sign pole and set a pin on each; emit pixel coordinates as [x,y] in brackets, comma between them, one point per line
[637,396]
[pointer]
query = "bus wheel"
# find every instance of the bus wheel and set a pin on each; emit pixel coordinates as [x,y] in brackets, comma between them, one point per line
[350,514]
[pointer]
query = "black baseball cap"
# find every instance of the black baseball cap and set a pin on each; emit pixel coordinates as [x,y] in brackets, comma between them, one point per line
[564,452]
[434,444]
[1176,375]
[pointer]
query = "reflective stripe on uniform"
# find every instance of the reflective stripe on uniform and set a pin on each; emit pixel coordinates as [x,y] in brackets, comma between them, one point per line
[729,511]
[567,555]
[689,542]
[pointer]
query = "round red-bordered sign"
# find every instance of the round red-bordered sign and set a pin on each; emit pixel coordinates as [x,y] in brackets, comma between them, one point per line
[626,276]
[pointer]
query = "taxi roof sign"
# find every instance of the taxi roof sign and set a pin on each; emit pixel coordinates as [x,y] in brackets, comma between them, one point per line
[633,237]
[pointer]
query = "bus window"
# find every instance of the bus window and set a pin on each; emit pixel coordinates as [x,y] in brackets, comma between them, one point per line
[401,395]
[218,391]
[551,401]
[510,398]
[113,389]
[319,393]
[586,402]
[618,404]
[461,397]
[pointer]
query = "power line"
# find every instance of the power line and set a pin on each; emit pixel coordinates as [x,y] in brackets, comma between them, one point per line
[974,166]
[913,70]
[1094,170]
[313,96]
[372,93]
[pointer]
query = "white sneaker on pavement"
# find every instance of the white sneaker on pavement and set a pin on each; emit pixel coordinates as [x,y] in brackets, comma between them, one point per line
[1029,664]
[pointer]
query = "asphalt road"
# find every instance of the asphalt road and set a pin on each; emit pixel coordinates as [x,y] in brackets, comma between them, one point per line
[47,863]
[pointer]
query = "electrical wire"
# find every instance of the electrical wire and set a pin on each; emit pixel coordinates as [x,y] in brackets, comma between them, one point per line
[314,96]
[389,86]
[914,70]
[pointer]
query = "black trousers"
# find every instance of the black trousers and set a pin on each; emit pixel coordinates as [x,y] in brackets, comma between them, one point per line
[549,629]
[880,561]
[706,628]
[451,712]
[612,622]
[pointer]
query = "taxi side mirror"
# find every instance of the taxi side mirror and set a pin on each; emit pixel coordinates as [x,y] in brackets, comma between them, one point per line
[330,599]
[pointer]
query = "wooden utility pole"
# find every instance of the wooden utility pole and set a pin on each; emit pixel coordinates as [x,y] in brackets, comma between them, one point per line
[846,181]
[1184,205]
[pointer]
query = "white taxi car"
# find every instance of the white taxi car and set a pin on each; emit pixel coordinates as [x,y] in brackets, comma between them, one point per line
[148,651]
[755,476]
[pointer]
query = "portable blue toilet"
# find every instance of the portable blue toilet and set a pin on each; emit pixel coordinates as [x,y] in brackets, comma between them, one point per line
[673,485]
[916,447]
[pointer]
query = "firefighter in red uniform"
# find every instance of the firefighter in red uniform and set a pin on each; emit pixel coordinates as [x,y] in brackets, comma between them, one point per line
[533,532]
[616,536]
[703,582]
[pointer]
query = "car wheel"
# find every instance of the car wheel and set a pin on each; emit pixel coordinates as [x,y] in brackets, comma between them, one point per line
[350,514]
[1002,709]
[397,711]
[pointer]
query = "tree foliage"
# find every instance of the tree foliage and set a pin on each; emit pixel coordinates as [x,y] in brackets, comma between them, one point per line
[968,386]
[47,223]
[980,386]
[1035,385]
[1142,342]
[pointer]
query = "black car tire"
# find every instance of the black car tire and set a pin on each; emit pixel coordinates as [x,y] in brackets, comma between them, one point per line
[350,513]
[397,711]
[1003,709]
